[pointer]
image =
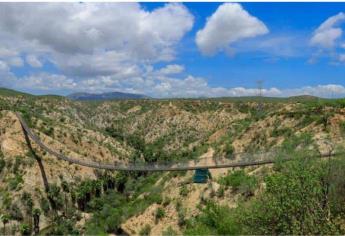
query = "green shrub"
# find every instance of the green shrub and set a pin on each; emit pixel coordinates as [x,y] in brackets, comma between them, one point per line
[2,162]
[27,200]
[145,230]
[304,197]
[229,150]
[198,229]
[25,229]
[184,191]
[169,232]
[181,214]
[54,194]
[45,206]
[295,202]
[62,226]
[285,132]
[213,220]
[240,181]
[220,192]
[160,213]
[113,208]
[15,213]
[49,131]
[302,140]
[17,163]
[342,128]
[13,183]
[166,201]
[337,187]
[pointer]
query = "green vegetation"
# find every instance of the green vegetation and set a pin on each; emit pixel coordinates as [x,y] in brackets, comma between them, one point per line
[342,128]
[184,191]
[14,182]
[62,226]
[169,232]
[113,208]
[24,229]
[285,132]
[160,213]
[240,182]
[298,199]
[10,92]
[304,196]
[214,220]
[145,230]
[2,162]
[300,141]
[5,219]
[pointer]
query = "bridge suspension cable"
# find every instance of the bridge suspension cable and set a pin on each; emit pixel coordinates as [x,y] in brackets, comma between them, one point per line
[160,167]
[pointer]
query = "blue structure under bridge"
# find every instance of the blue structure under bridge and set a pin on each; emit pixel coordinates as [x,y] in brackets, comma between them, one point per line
[201,176]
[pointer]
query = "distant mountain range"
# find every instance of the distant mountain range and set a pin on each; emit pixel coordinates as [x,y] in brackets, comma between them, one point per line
[119,95]
[105,96]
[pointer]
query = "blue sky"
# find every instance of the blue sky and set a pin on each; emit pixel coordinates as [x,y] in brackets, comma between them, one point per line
[283,19]
[174,50]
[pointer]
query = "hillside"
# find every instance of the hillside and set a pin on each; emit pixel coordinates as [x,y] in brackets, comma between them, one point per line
[70,199]
[10,92]
[105,96]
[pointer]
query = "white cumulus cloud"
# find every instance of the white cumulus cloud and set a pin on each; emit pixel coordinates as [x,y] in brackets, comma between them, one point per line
[88,27]
[327,33]
[93,39]
[172,69]
[46,82]
[228,24]
[96,44]
[156,84]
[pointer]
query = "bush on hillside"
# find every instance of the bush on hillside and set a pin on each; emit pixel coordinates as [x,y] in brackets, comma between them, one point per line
[241,182]
[306,196]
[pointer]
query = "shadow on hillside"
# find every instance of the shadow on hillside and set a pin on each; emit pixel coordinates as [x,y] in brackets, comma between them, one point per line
[43,172]
[39,162]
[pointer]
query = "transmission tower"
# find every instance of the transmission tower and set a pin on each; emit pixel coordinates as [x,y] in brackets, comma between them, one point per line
[259,87]
[260,94]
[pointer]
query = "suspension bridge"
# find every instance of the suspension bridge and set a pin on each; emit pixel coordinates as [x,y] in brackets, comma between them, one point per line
[245,159]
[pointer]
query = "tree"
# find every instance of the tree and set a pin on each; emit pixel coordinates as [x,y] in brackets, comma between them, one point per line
[5,219]
[296,200]
[293,203]
[65,189]
[214,220]
[26,197]
[54,197]
[160,213]
[36,215]
[24,229]
[241,182]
